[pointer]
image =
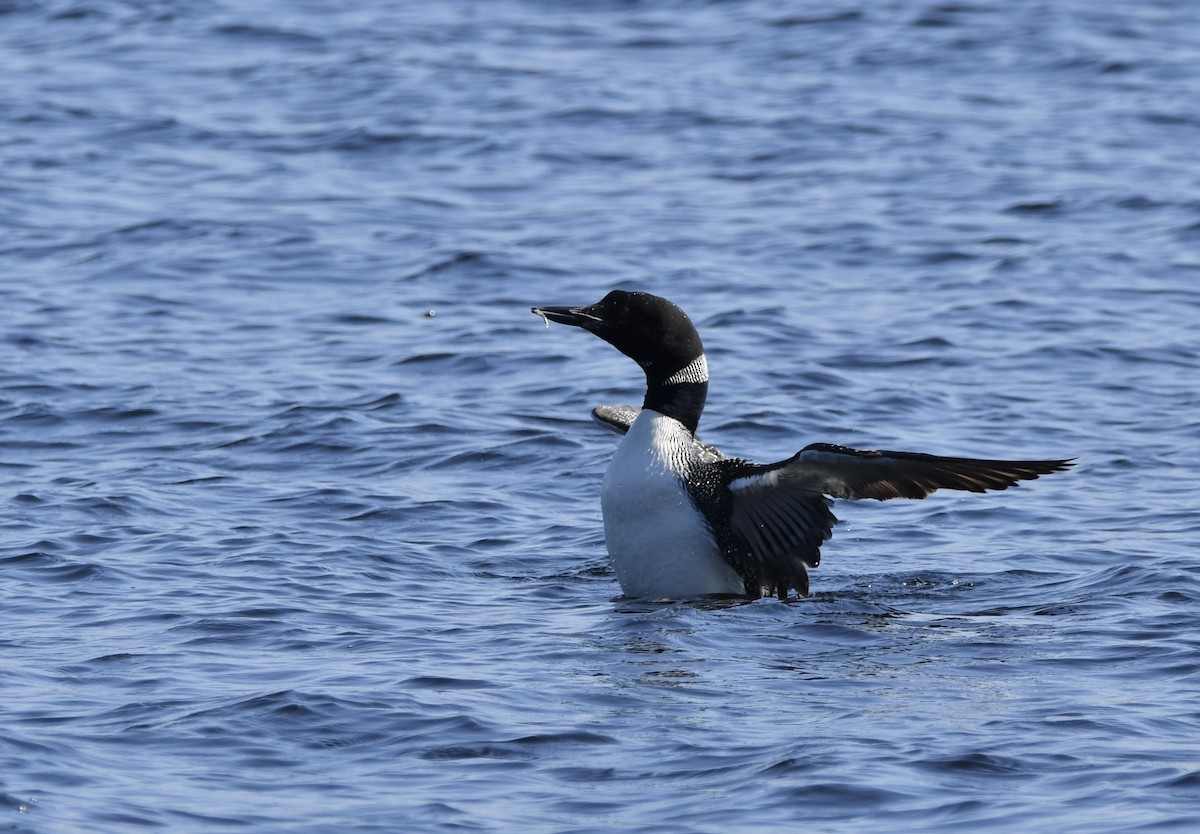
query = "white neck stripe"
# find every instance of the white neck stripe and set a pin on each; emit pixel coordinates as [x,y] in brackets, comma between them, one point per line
[696,371]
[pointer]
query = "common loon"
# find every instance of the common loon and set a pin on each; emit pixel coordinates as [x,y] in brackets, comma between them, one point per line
[682,520]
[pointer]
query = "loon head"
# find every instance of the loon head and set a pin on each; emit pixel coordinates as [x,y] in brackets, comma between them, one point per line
[658,336]
[648,329]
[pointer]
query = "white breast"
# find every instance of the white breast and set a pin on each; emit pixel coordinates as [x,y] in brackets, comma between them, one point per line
[658,542]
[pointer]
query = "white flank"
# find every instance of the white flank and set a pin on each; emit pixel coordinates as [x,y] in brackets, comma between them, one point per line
[658,543]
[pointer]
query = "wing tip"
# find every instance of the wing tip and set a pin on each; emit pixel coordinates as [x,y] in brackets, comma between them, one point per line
[615,418]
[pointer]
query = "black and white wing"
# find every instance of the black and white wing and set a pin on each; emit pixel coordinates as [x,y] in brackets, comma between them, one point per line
[781,513]
[615,418]
[852,473]
[782,522]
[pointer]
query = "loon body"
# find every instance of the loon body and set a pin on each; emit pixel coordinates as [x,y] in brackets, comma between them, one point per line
[683,520]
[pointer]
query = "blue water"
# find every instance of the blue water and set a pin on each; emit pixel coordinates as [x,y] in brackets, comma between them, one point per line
[301,528]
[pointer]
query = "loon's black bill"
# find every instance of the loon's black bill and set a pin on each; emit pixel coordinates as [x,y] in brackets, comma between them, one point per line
[575,316]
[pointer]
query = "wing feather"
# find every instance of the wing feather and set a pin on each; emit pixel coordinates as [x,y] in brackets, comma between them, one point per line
[853,473]
[615,418]
[782,527]
[781,512]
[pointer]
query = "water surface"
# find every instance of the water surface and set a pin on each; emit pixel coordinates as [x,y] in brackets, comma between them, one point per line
[301,527]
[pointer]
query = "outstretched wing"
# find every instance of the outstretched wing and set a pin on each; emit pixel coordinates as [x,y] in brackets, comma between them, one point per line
[852,473]
[781,513]
[783,524]
[616,418]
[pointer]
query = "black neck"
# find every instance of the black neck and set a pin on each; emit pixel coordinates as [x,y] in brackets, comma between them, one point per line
[684,401]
